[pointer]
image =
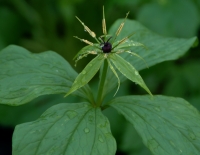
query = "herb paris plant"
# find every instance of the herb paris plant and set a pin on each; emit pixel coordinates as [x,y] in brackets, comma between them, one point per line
[167,125]
[107,51]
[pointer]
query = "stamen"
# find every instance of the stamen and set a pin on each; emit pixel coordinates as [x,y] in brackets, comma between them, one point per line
[104,23]
[120,27]
[124,39]
[87,28]
[85,41]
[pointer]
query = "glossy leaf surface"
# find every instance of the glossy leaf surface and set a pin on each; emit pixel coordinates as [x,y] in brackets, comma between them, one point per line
[87,73]
[25,76]
[167,125]
[128,71]
[67,129]
[12,116]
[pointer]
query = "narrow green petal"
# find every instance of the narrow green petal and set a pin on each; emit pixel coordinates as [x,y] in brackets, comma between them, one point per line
[128,70]
[113,70]
[86,75]
[130,43]
[85,50]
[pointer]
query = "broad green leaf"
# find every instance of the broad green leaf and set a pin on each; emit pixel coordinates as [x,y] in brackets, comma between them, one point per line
[87,74]
[67,129]
[25,76]
[159,48]
[128,71]
[12,116]
[167,125]
[170,17]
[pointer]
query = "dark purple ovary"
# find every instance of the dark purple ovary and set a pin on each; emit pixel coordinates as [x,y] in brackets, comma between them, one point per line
[107,47]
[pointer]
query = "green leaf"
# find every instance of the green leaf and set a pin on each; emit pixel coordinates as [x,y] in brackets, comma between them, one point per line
[115,73]
[67,129]
[128,70]
[159,48]
[170,21]
[167,125]
[12,116]
[85,50]
[128,43]
[25,76]
[87,74]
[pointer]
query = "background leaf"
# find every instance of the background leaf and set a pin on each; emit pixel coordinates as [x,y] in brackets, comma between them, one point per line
[159,48]
[170,17]
[25,76]
[12,116]
[67,128]
[167,125]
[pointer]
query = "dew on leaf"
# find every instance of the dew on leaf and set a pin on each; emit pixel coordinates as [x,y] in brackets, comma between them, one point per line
[100,138]
[83,72]
[86,130]
[157,109]
[85,105]
[90,118]
[172,143]
[192,136]
[152,144]
[45,66]
[71,114]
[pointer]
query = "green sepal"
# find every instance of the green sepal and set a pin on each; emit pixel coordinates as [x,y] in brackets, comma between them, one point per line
[129,43]
[87,73]
[128,70]
[85,50]
[115,73]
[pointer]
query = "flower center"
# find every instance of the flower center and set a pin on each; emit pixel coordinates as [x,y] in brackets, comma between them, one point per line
[107,47]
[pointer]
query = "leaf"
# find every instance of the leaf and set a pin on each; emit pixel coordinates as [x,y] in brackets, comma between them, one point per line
[159,48]
[86,75]
[115,73]
[129,43]
[12,116]
[170,21]
[25,76]
[128,71]
[167,125]
[86,49]
[67,129]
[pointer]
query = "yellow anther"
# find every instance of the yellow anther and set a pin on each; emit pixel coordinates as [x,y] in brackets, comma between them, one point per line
[104,23]
[121,25]
[104,26]
[119,29]
[83,40]
[87,28]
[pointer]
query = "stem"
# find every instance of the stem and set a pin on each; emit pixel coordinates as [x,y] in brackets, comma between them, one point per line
[101,84]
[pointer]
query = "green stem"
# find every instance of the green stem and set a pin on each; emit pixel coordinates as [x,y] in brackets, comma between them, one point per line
[101,84]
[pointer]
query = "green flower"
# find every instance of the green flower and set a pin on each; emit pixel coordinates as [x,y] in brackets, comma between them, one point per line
[107,50]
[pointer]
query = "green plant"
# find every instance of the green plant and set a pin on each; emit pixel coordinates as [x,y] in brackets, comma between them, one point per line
[167,125]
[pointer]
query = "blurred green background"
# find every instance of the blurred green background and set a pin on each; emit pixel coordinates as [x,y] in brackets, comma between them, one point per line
[51,24]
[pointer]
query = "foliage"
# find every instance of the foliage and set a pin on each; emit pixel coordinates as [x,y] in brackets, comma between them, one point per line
[24,76]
